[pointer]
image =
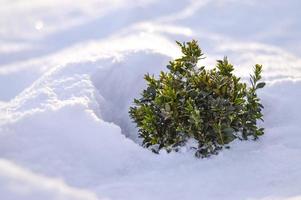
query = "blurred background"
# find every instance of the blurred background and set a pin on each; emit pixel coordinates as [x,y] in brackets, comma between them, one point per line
[38,34]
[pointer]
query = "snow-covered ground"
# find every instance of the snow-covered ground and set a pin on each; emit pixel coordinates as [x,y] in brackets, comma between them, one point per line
[70,69]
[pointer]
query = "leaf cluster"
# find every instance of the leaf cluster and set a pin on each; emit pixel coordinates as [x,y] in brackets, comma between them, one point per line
[213,107]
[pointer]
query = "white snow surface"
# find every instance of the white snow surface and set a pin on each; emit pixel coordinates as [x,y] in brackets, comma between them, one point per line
[69,72]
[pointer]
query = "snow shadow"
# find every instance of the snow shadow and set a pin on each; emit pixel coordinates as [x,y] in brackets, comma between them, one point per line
[121,82]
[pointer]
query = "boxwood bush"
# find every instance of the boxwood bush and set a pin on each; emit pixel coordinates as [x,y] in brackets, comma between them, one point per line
[212,107]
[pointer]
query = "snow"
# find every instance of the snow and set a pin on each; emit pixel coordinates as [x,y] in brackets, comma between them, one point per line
[18,183]
[69,71]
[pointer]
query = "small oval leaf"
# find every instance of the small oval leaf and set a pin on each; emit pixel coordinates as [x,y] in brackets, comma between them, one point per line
[260,85]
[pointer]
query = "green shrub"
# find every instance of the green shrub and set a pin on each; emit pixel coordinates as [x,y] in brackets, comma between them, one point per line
[213,107]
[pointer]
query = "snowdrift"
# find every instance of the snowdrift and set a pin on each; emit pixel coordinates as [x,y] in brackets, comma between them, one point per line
[72,123]
[18,183]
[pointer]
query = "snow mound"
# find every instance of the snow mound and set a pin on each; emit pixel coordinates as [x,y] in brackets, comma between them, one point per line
[73,121]
[18,183]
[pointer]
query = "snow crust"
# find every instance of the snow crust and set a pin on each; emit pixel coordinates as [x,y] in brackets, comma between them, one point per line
[69,72]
